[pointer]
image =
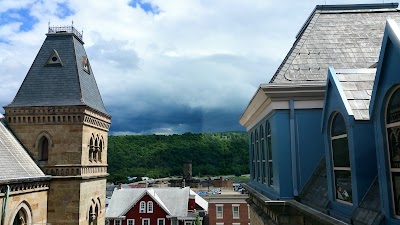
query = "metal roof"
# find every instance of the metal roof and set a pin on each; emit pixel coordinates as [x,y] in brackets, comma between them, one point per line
[60,84]
[173,200]
[339,36]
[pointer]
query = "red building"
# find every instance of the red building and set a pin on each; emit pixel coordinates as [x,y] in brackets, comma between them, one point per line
[155,206]
[227,209]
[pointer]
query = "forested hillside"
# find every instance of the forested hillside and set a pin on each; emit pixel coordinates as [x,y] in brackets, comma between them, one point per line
[162,156]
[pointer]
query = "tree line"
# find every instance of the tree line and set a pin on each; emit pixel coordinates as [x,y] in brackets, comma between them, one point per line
[163,155]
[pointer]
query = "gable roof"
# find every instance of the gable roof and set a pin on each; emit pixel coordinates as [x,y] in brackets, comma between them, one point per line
[355,86]
[64,82]
[15,162]
[174,201]
[334,35]
[392,35]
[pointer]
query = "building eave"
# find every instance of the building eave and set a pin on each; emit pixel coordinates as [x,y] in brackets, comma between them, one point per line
[270,97]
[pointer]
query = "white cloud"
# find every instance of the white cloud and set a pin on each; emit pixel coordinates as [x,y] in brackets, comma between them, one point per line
[206,55]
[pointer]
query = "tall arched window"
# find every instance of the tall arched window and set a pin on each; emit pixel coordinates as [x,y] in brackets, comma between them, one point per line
[100,150]
[149,207]
[253,157]
[91,149]
[262,150]
[257,152]
[96,149]
[269,155]
[43,149]
[341,159]
[393,139]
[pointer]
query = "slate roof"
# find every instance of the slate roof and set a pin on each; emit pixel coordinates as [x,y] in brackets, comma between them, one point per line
[315,192]
[357,86]
[15,162]
[59,85]
[369,211]
[173,200]
[340,36]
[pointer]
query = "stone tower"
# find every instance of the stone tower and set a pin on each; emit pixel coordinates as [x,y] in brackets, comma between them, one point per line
[59,117]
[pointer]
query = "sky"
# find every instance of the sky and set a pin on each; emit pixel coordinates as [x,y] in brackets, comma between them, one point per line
[162,67]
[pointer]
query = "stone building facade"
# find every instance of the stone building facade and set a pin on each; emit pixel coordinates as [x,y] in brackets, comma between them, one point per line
[59,118]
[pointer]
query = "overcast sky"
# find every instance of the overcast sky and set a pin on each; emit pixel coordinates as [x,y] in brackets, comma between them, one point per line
[162,66]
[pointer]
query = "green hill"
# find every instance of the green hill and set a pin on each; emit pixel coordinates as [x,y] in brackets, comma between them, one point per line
[163,155]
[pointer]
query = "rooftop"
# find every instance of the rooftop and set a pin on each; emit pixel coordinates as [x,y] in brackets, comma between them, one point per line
[65,30]
[334,36]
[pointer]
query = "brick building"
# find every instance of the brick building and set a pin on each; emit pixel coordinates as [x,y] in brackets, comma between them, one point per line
[228,209]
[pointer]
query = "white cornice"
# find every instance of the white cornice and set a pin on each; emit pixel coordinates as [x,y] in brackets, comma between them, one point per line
[271,97]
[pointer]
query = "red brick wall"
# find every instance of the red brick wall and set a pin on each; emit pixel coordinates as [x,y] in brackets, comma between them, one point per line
[228,214]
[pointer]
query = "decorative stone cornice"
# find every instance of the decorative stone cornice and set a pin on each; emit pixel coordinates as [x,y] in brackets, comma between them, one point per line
[24,186]
[57,115]
[76,171]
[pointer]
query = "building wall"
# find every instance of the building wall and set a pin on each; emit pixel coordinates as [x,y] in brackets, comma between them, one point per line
[92,193]
[35,199]
[77,183]
[305,130]
[227,201]
[133,213]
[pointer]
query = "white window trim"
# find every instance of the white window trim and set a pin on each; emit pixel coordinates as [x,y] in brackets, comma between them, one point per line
[130,220]
[219,223]
[233,212]
[148,207]
[145,219]
[142,209]
[235,223]
[119,221]
[188,222]
[160,219]
[222,211]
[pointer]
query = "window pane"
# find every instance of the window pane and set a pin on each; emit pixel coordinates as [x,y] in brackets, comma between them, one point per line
[394,147]
[340,150]
[396,190]
[271,174]
[343,185]
[338,125]
[393,110]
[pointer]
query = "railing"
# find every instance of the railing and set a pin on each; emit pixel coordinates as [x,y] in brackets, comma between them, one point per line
[64,29]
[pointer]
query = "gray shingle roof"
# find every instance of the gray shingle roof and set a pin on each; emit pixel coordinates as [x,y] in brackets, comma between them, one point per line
[338,36]
[369,211]
[175,200]
[357,87]
[15,162]
[55,85]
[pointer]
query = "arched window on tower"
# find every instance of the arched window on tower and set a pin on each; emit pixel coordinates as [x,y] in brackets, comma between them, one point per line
[91,147]
[96,149]
[100,150]
[44,149]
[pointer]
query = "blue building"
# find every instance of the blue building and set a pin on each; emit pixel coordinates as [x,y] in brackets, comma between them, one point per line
[325,131]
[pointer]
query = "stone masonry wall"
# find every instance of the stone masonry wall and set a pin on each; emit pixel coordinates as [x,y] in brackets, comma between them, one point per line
[36,201]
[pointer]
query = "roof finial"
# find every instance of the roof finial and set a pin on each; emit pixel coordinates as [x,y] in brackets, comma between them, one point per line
[72,23]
